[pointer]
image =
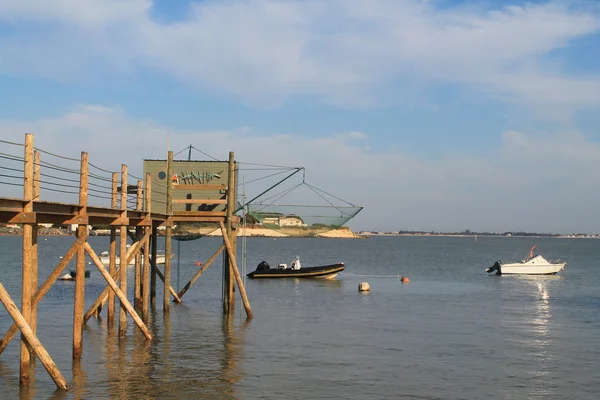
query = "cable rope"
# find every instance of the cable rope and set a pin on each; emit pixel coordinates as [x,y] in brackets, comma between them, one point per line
[101,169]
[57,156]
[11,157]
[100,178]
[57,184]
[57,190]
[55,177]
[329,194]
[207,155]
[13,169]
[13,143]
[268,165]
[267,176]
[99,197]
[59,168]
[11,176]
[11,184]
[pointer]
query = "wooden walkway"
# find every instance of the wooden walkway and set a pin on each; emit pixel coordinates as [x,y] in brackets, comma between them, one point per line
[102,197]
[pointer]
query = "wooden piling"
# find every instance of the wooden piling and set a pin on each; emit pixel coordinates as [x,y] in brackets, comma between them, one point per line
[137,292]
[228,293]
[236,273]
[32,340]
[112,265]
[168,234]
[34,264]
[153,245]
[82,232]
[123,251]
[146,267]
[28,257]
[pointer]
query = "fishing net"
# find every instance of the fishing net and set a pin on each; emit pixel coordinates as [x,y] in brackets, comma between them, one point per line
[301,219]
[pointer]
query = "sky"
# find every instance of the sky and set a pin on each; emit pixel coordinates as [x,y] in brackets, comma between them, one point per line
[433,115]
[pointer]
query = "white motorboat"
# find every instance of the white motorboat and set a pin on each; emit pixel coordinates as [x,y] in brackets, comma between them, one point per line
[532,265]
[105,258]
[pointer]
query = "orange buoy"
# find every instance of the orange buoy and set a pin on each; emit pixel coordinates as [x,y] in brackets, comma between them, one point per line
[198,263]
[404,279]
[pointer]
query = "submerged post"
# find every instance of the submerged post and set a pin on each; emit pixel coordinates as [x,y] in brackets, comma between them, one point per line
[82,232]
[123,251]
[112,265]
[168,232]
[228,289]
[28,259]
[146,267]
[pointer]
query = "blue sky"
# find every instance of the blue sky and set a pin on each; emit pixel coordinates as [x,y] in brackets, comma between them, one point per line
[432,114]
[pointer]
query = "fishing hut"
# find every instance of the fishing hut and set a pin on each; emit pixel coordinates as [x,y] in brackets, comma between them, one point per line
[134,208]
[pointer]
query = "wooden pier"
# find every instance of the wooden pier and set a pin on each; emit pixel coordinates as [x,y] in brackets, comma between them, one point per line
[143,216]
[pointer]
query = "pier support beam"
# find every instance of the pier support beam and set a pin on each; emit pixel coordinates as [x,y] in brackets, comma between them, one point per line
[28,260]
[82,232]
[228,288]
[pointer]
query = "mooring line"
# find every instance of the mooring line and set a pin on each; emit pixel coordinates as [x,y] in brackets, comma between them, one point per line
[373,276]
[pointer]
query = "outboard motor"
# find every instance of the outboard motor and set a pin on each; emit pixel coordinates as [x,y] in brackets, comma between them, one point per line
[496,267]
[263,266]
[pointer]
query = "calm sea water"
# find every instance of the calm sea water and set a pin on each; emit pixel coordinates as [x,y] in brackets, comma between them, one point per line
[453,332]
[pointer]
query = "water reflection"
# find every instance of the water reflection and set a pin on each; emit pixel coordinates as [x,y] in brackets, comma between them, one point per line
[177,363]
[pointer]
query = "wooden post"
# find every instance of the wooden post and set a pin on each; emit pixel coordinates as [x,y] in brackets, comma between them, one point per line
[137,292]
[236,273]
[82,232]
[120,294]
[167,286]
[200,272]
[228,294]
[28,259]
[123,251]
[33,341]
[34,264]
[146,269]
[153,245]
[112,265]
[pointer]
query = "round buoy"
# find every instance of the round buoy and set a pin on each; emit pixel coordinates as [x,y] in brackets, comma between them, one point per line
[364,287]
[198,263]
[404,279]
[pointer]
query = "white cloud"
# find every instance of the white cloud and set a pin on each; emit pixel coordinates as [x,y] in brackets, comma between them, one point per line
[341,51]
[544,183]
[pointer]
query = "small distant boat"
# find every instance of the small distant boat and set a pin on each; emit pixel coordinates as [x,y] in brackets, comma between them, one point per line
[264,270]
[531,265]
[105,258]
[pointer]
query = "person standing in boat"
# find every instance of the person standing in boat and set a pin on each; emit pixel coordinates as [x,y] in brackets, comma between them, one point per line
[296,263]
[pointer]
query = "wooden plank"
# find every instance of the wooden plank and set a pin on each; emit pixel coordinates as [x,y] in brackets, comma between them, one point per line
[200,187]
[23,218]
[199,201]
[32,340]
